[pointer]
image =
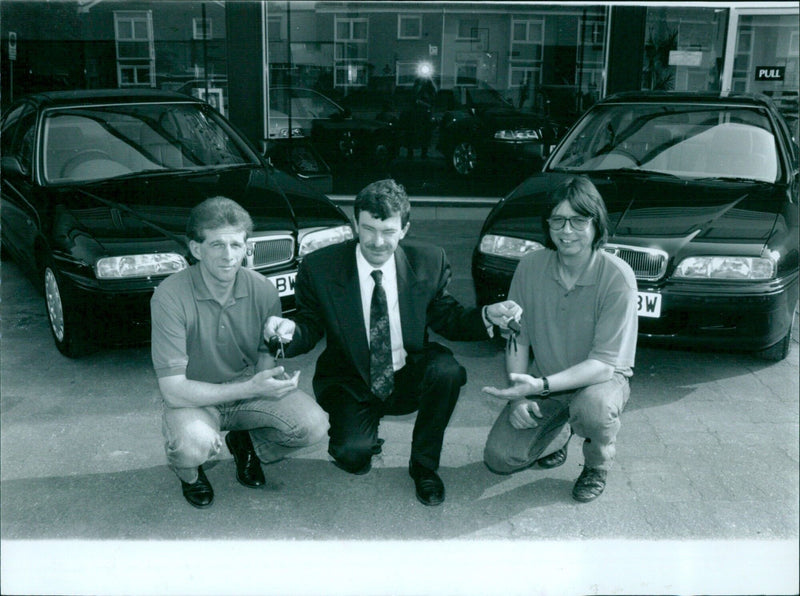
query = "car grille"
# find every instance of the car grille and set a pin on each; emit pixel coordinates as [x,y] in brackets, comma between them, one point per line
[269,251]
[648,264]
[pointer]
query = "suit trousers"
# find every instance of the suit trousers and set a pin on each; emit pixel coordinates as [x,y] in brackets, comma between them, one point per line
[429,384]
[591,412]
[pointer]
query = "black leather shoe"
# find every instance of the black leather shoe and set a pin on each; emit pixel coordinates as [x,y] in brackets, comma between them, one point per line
[589,485]
[430,488]
[555,459]
[248,466]
[199,493]
[358,471]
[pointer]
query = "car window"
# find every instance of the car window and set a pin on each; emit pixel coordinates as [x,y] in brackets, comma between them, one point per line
[18,135]
[692,141]
[104,142]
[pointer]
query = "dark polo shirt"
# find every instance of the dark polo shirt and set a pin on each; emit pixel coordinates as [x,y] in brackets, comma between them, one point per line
[596,319]
[195,335]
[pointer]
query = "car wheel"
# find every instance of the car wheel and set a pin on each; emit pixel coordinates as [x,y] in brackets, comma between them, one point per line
[465,158]
[780,350]
[65,322]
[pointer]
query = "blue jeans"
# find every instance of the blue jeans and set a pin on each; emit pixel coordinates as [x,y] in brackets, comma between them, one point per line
[591,412]
[277,428]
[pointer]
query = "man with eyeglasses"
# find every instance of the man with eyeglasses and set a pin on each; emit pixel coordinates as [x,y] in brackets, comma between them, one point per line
[374,299]
[580,322]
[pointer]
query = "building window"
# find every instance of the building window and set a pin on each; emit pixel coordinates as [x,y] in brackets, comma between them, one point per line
[350,52]
[275,28]
[527,39]
[467,29]
[406,73]
[467,73]
[201,28]
[409,26]
[133,31]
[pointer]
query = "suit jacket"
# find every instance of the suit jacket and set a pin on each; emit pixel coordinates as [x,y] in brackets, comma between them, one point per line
[328,298]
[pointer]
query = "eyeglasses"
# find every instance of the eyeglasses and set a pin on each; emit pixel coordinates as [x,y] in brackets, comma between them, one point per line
[576,222]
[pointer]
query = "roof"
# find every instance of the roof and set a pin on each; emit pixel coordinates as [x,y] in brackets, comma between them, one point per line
[100,96]
[755,99]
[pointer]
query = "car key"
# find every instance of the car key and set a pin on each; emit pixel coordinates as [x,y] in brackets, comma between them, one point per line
[514,328]
[275,347]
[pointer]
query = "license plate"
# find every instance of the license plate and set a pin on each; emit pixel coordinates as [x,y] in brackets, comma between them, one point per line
[284,283]
[649,304]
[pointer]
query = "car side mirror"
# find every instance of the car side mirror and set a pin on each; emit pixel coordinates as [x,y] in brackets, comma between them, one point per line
[10,165]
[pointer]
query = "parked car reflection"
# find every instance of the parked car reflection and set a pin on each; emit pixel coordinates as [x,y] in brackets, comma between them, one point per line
[702,193]
[479,127]
[97,187]
[332,129]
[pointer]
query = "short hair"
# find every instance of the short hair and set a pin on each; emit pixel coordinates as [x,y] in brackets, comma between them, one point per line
[383,199]
[585,199]
[215,213]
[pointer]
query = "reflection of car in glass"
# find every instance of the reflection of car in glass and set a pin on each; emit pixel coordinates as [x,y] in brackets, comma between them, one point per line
[96,191]
[332,129]
[702,193]
[480,127]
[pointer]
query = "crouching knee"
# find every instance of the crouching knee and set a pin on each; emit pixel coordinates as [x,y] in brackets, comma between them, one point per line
[497,460]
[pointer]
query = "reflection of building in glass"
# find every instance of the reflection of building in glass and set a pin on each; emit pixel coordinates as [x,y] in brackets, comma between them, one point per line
[556,58]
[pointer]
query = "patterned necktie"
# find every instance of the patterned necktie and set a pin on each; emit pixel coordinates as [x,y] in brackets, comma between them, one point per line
[381,373]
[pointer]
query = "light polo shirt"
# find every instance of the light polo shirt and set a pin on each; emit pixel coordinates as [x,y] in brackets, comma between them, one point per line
[195,335]
[389,283]
[596,319]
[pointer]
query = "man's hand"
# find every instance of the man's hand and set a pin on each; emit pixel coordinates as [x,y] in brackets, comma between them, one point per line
[522,385]
[268,383]
[522,414]
[283,328]
[500,313]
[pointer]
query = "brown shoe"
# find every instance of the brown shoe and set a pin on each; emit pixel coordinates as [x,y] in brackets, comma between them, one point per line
[555,459]
[589,485]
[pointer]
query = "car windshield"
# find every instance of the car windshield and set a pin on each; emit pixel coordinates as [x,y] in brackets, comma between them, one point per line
[685,140]
[95,143]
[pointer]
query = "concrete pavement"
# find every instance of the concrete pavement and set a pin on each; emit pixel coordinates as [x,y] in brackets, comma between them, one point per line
[703,498]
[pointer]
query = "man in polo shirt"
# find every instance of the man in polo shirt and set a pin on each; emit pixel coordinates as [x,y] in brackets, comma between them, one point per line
[579,317]
[213,367]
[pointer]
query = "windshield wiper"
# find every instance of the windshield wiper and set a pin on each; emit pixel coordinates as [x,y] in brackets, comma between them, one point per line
[730,179]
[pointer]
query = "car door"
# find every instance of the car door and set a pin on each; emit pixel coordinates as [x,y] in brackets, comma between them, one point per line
[20,220]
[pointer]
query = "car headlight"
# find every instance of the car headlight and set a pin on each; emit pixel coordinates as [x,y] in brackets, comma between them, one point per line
[319,238]
[749,268]
[147,265]
[522,134]
[507,246]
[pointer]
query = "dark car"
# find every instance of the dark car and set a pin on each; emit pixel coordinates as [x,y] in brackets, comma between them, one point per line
[479,128]
[335,133]
[97,187]
[702,193]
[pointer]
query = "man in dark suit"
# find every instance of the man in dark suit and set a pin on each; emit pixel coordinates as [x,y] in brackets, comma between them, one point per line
[374,299]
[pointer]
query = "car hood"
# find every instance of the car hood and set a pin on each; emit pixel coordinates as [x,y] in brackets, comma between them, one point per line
[658,211]
[149,214]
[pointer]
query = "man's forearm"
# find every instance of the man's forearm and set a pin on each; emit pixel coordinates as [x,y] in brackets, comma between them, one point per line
[517,360]
[180,392]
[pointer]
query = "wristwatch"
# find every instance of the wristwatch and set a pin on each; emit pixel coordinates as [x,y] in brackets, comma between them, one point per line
[545,387]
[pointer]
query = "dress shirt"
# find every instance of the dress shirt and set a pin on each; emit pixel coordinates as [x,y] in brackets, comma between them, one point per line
[389,284]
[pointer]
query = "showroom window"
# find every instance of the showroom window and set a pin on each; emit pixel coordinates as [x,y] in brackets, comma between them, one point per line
[351,52]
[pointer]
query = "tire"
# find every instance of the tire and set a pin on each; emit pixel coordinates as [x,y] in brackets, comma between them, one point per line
[780,350]
[66,323]
[464,158]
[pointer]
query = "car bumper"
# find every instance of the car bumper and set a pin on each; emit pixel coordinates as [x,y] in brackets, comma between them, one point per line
[517,152]
[689,316]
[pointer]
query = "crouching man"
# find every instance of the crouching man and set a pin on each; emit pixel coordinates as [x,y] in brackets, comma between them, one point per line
[214,371]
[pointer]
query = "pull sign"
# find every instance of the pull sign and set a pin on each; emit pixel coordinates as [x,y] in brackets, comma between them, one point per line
[770,73]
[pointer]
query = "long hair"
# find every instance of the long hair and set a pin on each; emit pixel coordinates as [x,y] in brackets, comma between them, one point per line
[585,199]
